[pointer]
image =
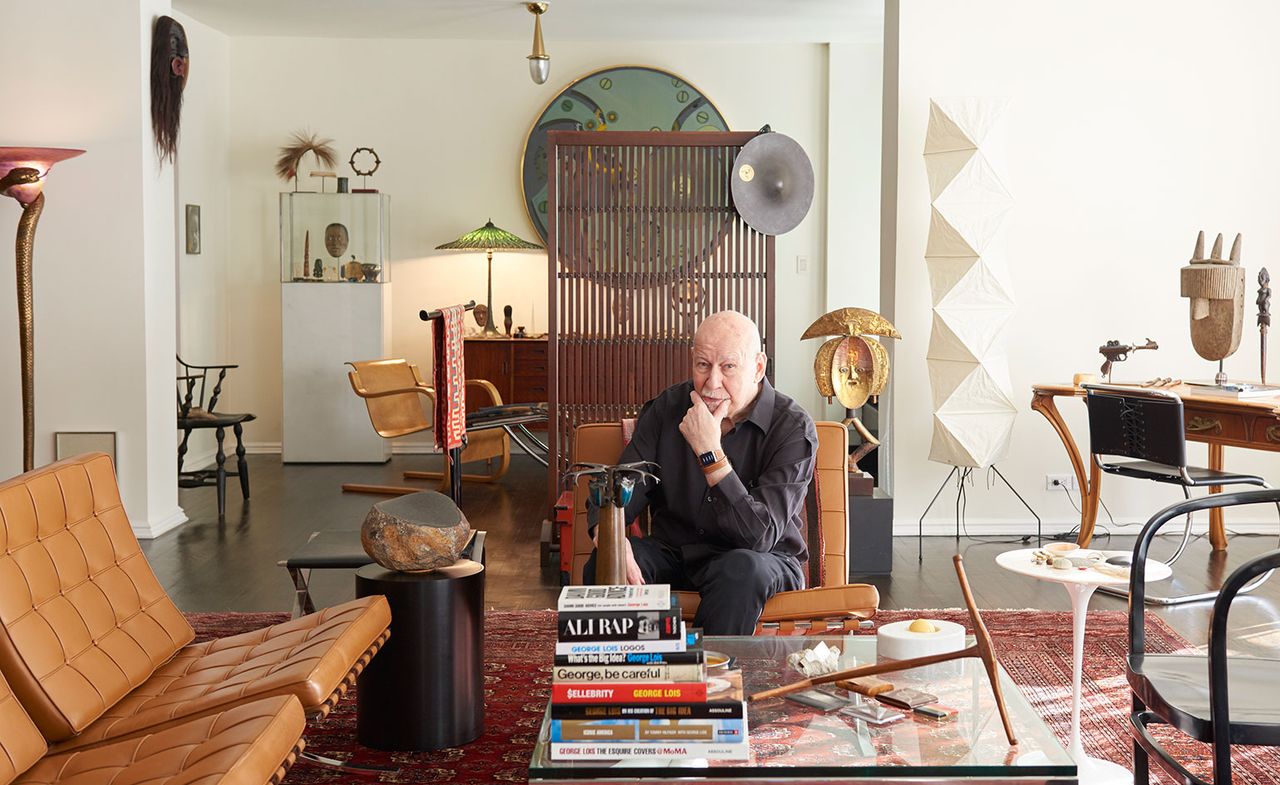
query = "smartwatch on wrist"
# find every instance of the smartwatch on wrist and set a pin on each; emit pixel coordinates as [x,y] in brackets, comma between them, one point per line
[711,461]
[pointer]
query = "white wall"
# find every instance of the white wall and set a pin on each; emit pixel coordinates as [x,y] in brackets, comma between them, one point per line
[448,119]
[203,171]
[1132,126]
[104,249]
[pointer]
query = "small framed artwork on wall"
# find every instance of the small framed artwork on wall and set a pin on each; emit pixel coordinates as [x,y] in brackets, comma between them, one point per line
[69,443]
[193,228]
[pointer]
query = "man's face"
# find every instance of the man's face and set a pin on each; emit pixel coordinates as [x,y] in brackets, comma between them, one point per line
[723,371]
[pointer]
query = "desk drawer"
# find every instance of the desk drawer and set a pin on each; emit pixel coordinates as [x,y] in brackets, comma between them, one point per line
[1203,424]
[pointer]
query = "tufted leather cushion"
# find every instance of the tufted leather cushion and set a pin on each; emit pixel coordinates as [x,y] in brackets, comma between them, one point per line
[83,620]
[247,745]
[310,657]
[21,744]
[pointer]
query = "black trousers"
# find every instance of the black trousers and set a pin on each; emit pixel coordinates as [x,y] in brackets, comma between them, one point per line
[733,585]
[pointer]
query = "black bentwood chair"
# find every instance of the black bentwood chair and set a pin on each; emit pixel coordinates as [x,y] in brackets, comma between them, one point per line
[1147,424]
[1206,698]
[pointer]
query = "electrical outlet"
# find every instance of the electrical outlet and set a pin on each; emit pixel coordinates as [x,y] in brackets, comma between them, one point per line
[1053,482]
[802,264]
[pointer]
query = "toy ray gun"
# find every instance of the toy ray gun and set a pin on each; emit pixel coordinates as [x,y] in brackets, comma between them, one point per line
[611,487]
[1116,352]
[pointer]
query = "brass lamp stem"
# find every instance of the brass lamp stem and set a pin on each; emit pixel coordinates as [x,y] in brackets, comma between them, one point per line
[489,327]
[26,325]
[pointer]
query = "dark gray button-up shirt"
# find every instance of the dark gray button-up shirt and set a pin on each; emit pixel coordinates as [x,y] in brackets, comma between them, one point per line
[757,506]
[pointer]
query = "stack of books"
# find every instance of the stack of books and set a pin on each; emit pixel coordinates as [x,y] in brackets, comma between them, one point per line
[631,682]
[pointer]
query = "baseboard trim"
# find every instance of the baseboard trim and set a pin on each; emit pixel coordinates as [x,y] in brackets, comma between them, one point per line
[261,448]
[1008,528]
[149,531]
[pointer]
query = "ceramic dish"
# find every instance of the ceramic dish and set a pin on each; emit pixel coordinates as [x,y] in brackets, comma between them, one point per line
[717,660]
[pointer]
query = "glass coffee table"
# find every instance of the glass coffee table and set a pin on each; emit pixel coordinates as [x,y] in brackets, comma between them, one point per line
[793,742]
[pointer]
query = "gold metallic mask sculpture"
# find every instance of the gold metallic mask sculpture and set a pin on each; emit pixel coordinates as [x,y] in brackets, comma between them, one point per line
[1216,288]
[851,368]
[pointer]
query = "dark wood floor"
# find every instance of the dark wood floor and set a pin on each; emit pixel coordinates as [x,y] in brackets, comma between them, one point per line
[211,566]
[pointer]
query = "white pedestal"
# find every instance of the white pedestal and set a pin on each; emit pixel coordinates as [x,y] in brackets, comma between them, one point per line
[323,326]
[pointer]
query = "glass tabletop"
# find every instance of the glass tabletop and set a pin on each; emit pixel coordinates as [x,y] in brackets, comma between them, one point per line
[792,741]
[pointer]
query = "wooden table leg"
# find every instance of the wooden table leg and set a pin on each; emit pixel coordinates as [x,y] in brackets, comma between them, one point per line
[1089,506]
[1217,524]
[1089,487]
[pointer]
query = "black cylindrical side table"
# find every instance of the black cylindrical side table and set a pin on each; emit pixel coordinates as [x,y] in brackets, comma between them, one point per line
[424,690]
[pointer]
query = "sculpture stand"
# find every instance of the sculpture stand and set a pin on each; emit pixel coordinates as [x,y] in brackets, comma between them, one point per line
[963,473]
[981,649]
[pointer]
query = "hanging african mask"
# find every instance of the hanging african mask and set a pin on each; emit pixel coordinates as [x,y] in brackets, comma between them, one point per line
[851,368]
[170,65]
[1216,288]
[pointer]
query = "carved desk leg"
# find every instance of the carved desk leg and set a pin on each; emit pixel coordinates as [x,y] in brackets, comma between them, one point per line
[1089,486]
[1217,524]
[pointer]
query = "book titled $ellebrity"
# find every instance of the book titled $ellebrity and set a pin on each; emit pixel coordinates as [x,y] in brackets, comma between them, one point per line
[659,671]
[711,710]
[647,597]
[653,750]
[681,643]
[631,692]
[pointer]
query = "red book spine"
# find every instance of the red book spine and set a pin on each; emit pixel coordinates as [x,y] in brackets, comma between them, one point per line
[640,692]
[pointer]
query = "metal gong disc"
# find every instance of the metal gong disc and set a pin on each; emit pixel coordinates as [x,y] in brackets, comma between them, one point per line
[772,183]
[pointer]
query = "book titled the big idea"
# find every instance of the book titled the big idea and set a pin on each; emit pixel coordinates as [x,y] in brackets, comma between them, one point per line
[630,681]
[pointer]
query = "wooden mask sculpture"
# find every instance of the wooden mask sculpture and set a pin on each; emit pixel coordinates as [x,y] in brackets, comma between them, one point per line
[851,368]
[170,65]
[1216,288]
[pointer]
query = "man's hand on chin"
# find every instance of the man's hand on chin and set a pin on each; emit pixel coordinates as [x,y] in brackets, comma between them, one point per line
[701,424]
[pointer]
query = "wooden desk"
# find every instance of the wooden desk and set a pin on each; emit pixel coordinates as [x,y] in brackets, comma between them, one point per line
[1216,420]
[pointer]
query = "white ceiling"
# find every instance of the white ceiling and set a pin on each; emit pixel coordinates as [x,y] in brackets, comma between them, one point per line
[566,20]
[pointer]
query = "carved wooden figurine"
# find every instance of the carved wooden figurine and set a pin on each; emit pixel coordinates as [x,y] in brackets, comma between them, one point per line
[1216,289]
[1264,317]
[611,488]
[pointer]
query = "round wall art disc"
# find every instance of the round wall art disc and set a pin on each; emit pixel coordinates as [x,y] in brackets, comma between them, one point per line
[620,98]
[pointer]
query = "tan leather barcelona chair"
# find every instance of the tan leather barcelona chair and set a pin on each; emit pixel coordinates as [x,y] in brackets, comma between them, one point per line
[253,744]
[831,599]
[394,392]
[97,652]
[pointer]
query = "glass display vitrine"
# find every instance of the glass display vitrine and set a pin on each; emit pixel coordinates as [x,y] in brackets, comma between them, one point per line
[334,238]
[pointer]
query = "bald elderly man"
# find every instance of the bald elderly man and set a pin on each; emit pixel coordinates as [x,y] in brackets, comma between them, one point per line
[737,457]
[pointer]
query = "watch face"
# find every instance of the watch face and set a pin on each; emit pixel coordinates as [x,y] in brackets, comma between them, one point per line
[707,458]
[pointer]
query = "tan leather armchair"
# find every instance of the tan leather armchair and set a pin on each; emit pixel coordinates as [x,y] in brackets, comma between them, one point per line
[394,391]
[96,652]
[830,596]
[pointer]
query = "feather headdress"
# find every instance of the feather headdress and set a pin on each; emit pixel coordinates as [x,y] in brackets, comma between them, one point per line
[303,142]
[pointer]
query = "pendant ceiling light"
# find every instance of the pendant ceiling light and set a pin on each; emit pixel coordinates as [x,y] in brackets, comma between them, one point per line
[539,60]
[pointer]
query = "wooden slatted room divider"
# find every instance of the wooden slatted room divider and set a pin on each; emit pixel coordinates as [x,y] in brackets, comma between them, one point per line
[643,242]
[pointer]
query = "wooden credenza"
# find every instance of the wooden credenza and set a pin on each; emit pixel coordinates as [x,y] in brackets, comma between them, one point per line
[516,366]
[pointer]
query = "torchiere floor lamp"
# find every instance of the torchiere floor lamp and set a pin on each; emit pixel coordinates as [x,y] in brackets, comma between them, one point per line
[22,173]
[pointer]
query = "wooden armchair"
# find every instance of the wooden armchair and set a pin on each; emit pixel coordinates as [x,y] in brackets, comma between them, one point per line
[830,596]
[393,391]
[197,399]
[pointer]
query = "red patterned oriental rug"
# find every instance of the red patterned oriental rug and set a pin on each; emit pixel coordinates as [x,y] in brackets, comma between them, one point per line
[1034,647]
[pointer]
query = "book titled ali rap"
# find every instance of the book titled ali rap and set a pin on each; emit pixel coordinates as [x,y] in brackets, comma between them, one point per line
[619,625]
